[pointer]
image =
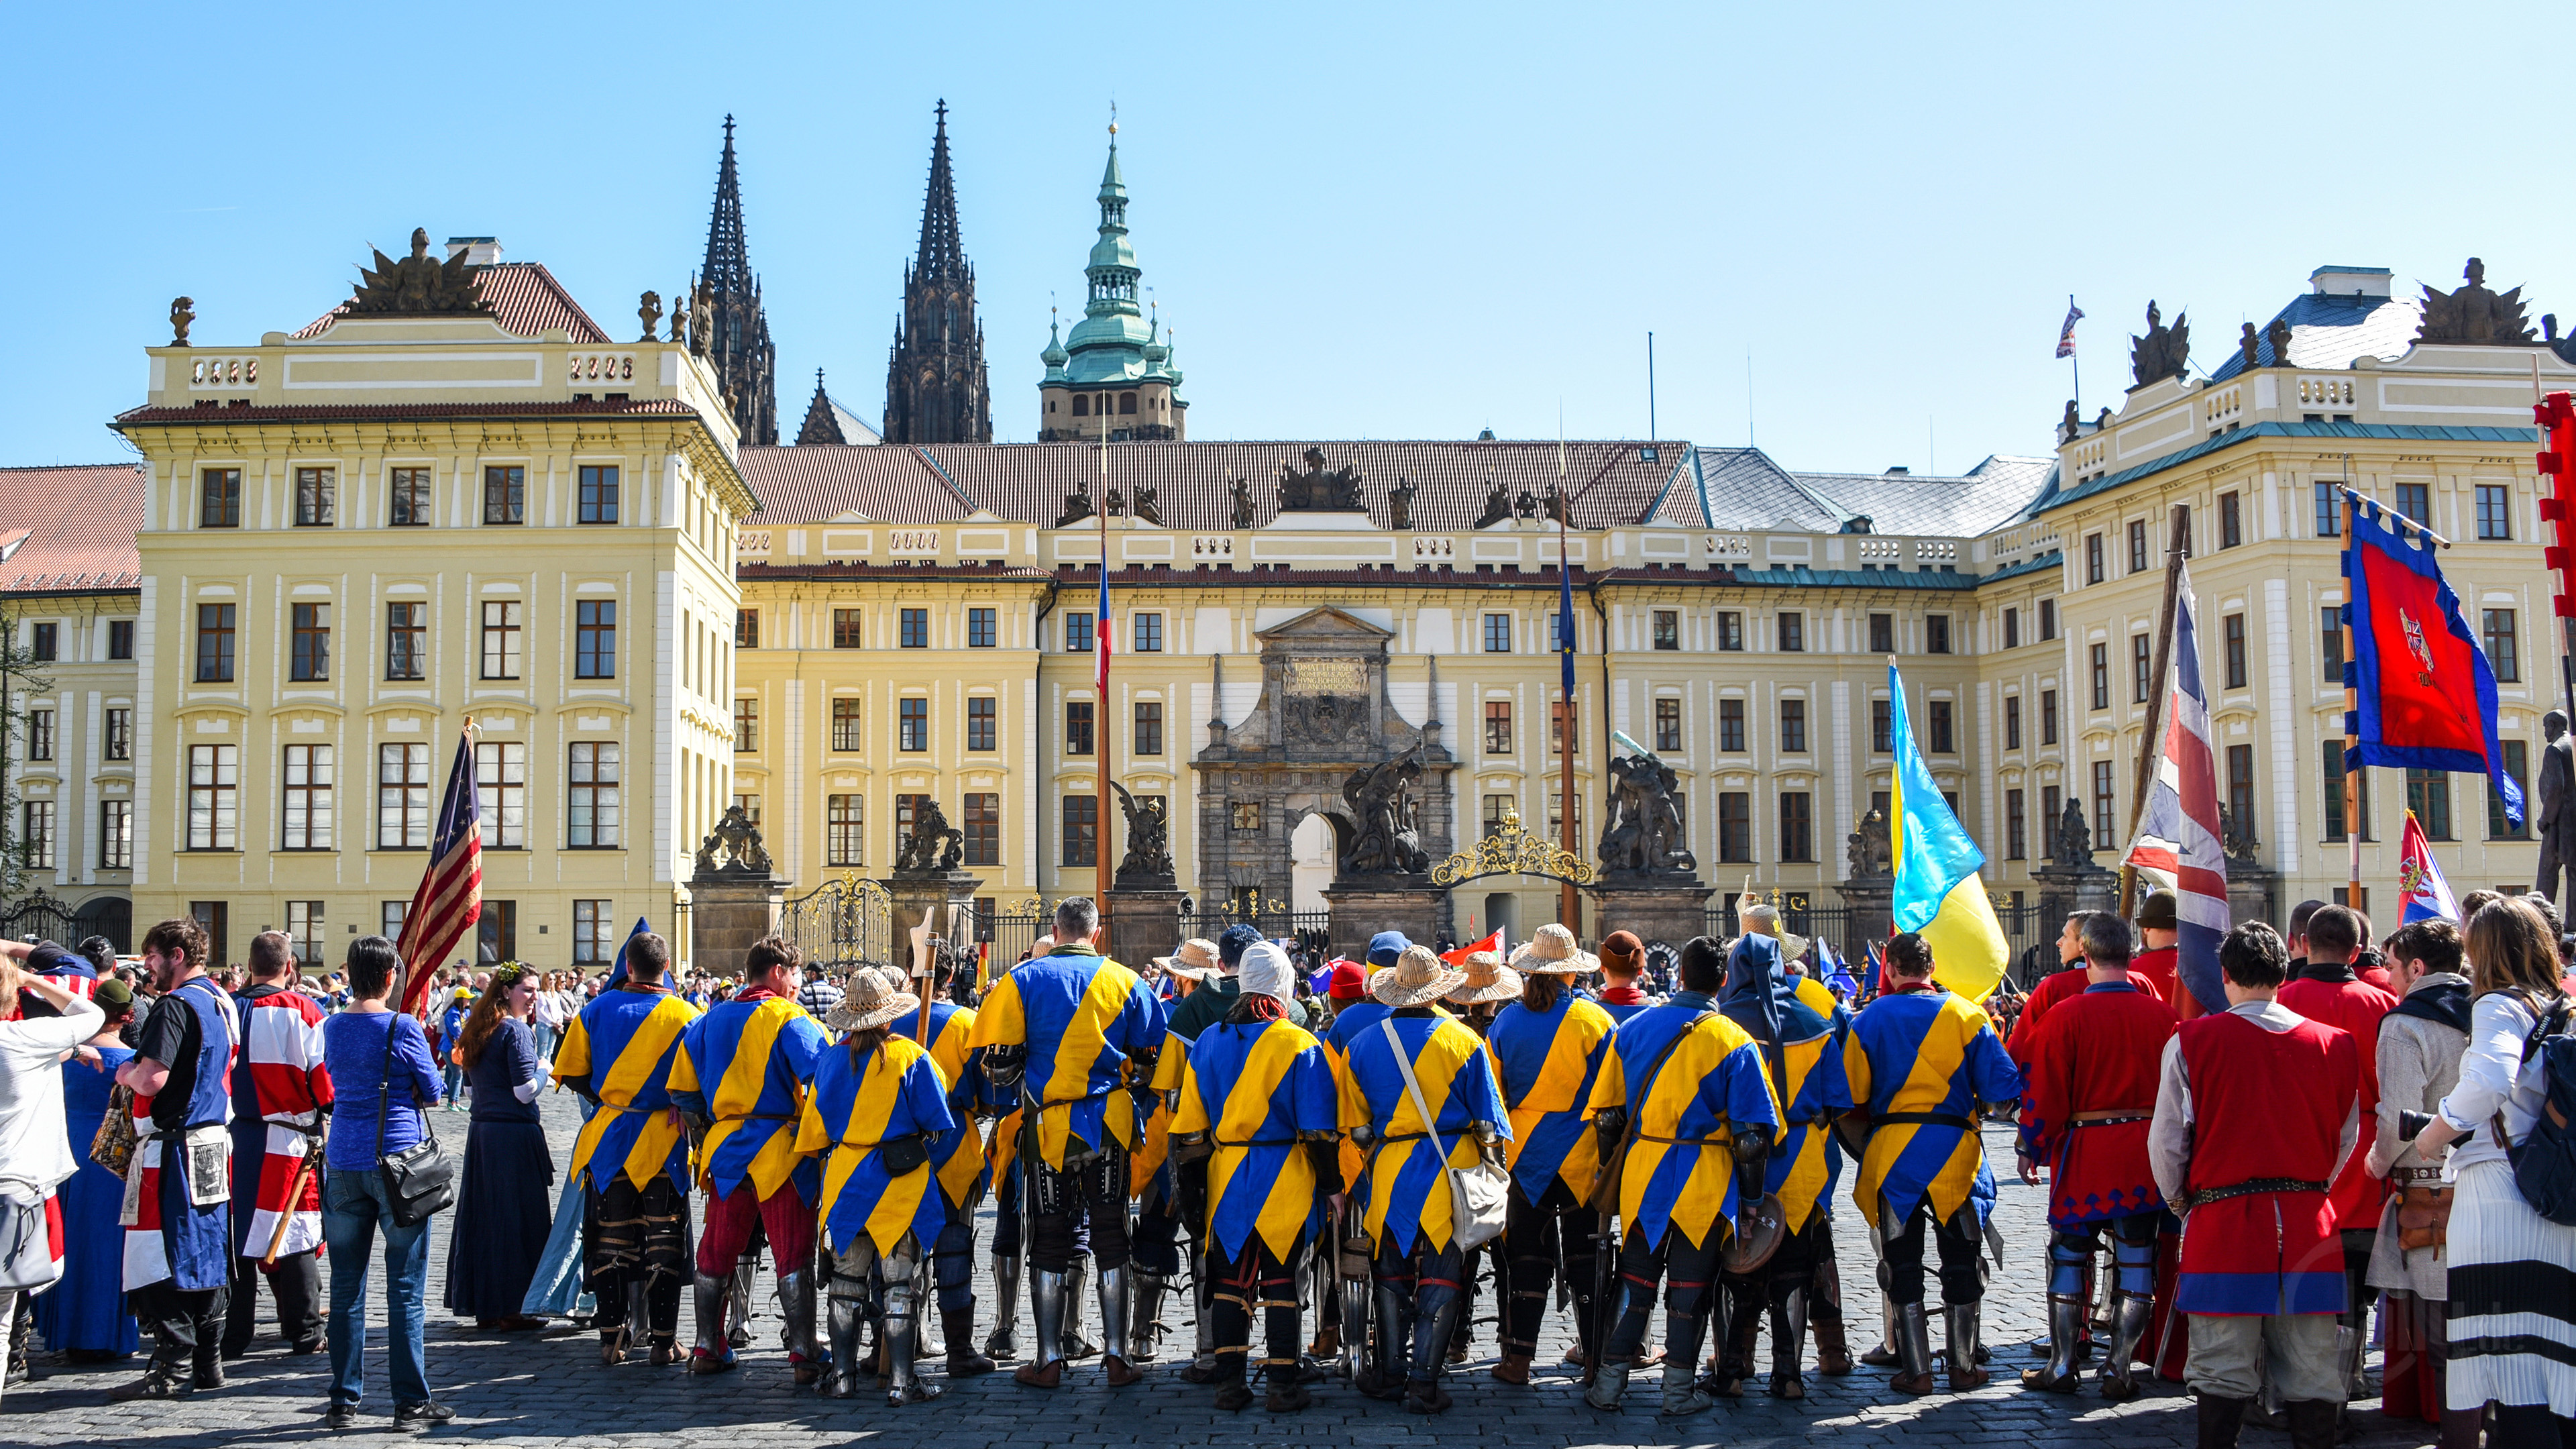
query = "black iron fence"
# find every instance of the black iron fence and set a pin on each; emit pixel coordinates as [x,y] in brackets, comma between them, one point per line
[38,916]
[2028,931]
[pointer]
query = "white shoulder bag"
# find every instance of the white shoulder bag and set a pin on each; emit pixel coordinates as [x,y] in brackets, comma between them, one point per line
[1478,1195]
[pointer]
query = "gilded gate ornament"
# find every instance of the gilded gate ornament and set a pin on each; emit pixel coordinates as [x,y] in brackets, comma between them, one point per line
[1511,850]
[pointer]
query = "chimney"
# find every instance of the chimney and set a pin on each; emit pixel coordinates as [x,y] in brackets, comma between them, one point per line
[480,251]
[1899,473]
[2349,281]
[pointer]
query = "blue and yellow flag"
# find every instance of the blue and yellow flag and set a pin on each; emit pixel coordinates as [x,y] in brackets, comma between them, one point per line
[1938,892]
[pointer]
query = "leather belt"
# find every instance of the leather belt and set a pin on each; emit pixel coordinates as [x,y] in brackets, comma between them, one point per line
[2249,1188]
[1686,1141]
[2415,1174]
[1925,1119]
[2108,1119]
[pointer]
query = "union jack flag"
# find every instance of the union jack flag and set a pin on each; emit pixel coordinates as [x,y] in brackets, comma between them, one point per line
[2178,845]
[449,903]
[2066,333]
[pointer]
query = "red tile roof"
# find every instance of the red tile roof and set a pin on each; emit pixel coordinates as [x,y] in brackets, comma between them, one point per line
[77,525]
[206,412]
[1612,483]
[526,300]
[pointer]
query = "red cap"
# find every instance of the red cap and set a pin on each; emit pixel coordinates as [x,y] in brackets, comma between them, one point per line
[1350,981]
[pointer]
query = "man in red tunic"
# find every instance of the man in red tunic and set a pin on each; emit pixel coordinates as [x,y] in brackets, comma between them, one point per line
[2157,963]
[2088,1095]
[2257,1109]
[2330,992]
[2057,986]
[281,1090]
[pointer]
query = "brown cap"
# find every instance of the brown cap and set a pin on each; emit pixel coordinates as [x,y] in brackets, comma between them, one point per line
[2157,912]
[1622,952]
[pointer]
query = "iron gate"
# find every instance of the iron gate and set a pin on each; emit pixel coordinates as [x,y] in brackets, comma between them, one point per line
[40,917]
[840,924]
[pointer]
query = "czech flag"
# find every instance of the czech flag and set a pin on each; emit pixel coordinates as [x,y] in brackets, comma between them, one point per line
[1939,894]
[2424,695]
[1493,943]
[2420,887]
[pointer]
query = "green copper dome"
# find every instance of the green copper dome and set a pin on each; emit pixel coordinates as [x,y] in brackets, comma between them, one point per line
[1113,343]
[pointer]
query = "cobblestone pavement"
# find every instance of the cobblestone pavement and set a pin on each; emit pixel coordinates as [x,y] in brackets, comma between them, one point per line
[551,1389]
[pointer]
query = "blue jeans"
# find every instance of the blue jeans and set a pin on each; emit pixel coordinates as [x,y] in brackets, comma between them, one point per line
[354,1206]
[455,1076]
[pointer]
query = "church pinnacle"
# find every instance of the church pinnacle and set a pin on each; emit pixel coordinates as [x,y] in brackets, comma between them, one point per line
[936,390]
[744,358]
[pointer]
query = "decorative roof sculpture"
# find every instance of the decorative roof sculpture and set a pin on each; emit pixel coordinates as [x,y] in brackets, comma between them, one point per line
[419,285]
[2474,314]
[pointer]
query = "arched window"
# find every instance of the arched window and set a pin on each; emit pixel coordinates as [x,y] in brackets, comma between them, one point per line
[1081,405]
[1126,403]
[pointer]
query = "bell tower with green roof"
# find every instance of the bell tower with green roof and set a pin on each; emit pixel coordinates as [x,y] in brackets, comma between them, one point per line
[1114,376]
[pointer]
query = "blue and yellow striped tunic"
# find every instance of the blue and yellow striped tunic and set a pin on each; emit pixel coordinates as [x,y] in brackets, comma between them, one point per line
[1252,1088]
[1925,1051]
[855,1107]
[620,1051]
[746,1066]
[1079,1014]
[958,1156]
[1408,1194]
[1548,1061]
[1681,1171]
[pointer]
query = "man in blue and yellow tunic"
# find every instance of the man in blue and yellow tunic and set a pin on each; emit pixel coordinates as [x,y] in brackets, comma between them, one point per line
[1801,1055]
[880,1109]
[1075,1035]
[635,1226]
[1258,1108]
[1417,1261]
[1684,1109]
[1549,1045]
[1920,1060]
[743,1072]
[957,1161]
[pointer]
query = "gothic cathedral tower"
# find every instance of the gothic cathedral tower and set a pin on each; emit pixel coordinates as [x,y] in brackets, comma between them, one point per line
[935,387]
[745,360]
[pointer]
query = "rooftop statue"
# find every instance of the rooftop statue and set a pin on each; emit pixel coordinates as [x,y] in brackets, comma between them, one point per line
[2278,334]
[1498,506]
[419,284]
[2164,352]
[2474,314]
[734,845]
[182,312]
[1316,491]
[649,307]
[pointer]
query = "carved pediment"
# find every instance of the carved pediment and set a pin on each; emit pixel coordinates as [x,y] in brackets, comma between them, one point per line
[1324,622]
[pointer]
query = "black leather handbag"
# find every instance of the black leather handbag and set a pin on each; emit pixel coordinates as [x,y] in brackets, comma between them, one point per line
[902,1155]
[419,1180]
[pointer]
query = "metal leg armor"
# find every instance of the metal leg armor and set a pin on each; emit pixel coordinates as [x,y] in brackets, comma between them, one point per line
[1789,1343]
[796,1304]
[1004,1341]
[1076,1347]
[2065,1330]
[1913,1350]
[1432,1333]
[1046,1299]
[907,1278]
[714,1298]
[1681,1362]
[745,1278]
[1962,1323]
[1145,1331]
[2129,1316]
[848,1310]
[1391,1328]
[1117,1301]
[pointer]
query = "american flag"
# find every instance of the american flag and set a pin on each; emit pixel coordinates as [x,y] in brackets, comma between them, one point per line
[449,903]
[2178,844]
[2066,333]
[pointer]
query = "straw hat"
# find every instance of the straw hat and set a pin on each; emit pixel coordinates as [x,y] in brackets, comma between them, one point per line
[1763,917]
[1488,979]
[1192,960]
[1417,978]
[1552,952]
[870,1001]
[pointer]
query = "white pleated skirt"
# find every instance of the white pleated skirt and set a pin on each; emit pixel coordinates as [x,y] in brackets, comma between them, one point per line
[2512,1298]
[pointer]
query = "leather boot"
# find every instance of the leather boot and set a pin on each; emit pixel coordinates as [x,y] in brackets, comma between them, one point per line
[796,1303]
[714,1297]
[1392,1344]
[1145,1333]
[1046,1299]
[1963,1325]
[1076,1347]
[2128,1328]
[2221,1421]
[2065,1326]
[903,1345]
[1003,1342]
[206,1359]
[1681,1363]
[1825,1302]
[1117,1301]
[842,1379]
[1203,1366]
[165,1376]
[1913,1350]
[2461,1427]
[957,1325]
[1734,1362]
[2312,1422]
[1789,1345]
[1609,1383]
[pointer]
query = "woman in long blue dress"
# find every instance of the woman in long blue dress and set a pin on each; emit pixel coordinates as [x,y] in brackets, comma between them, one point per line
[83,1317]
[503,1208]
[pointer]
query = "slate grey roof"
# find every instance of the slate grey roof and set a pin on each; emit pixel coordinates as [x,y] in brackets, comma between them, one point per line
[2329,330]
[1745,489]
[1612,484]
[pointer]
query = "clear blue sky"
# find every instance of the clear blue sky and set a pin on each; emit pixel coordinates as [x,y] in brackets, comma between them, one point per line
[1364,220]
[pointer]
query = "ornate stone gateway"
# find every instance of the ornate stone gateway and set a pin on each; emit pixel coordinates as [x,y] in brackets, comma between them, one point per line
[1324,739]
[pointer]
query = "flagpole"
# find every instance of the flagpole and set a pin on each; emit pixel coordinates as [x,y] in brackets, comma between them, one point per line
[2151,747]
[1569,909]
[2353,776]
[1102,633]
[2075,361]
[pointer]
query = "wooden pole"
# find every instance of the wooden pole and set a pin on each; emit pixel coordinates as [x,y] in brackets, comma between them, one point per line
[2352,773]
[1569,902]
[2152,747]
[1102,631]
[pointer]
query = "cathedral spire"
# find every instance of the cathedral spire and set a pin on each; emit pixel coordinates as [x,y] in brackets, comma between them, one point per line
[744,358]
[1111,367]
[935,379]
